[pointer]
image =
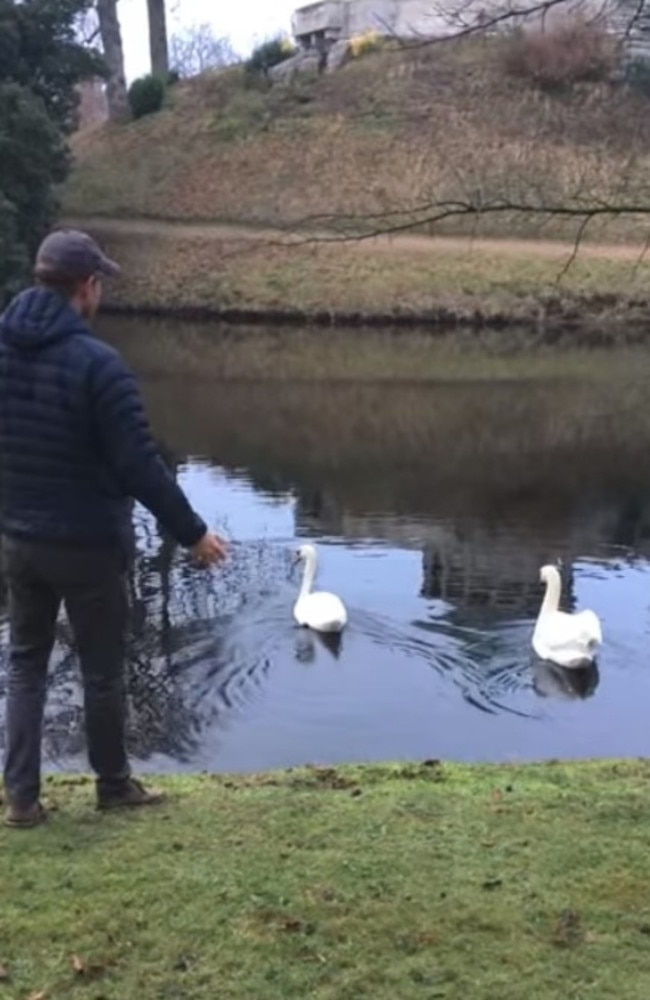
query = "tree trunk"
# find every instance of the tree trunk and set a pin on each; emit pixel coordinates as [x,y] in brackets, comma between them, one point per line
[158,38]
[109,29]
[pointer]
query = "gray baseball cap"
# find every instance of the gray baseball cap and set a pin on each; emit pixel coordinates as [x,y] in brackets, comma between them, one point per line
[70,253]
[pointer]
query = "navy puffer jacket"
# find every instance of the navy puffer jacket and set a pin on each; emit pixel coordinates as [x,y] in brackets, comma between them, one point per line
[75,443]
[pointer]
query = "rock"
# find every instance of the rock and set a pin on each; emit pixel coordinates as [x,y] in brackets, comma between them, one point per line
[338,55]
[302,62]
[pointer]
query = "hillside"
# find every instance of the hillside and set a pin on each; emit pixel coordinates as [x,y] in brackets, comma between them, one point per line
[387,132]
[210,181]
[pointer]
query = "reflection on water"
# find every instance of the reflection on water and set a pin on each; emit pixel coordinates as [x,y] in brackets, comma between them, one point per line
[434,506]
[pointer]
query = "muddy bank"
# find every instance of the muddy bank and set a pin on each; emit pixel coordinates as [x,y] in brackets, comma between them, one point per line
[621,324]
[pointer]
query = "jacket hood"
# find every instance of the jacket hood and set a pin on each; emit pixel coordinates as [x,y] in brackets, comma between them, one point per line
[39,317]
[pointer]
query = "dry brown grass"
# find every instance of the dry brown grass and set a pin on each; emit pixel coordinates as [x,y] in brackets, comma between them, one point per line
[573,49]
[167,266]
[387,132]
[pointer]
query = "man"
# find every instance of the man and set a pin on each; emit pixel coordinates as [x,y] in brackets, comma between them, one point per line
[75,452]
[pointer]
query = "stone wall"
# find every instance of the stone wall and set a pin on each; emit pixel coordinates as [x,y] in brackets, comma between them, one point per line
[344,19]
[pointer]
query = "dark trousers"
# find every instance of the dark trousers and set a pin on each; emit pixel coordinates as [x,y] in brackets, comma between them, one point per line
[92,585]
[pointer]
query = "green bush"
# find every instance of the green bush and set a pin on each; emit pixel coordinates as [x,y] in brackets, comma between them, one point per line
[146,96]
[267,55]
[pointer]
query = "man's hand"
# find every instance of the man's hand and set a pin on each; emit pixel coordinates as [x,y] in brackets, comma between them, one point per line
[210,549]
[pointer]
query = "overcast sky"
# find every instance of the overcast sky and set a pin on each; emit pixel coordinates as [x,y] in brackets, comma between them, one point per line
[244,22]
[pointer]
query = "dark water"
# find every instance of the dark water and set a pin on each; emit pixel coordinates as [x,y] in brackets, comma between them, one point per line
[433,506]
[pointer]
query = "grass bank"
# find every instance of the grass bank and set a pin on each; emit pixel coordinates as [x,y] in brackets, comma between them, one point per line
[407,881]
[247,275]
[195,199]
[376,141]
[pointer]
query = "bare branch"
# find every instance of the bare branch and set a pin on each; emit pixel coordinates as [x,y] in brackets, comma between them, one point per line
[634,18]
[484,24]
[468,21]
[197,49]
[576,246]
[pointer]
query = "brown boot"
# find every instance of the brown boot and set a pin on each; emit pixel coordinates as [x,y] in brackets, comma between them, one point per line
[133,793]
[25,818]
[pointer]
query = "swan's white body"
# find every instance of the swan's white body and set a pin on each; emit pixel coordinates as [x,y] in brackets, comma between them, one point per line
[317,609]
[570,640]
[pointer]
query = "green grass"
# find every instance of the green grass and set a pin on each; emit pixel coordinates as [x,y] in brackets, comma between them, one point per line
[402,882]
[221,268]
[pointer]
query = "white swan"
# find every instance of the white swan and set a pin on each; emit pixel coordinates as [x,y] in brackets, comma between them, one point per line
[570,640]
[317,609]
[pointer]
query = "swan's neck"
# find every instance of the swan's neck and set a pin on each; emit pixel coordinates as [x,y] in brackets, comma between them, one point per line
[551,600]
[308,576]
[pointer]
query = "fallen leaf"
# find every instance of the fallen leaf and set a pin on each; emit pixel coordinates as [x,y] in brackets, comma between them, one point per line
[4,973]
[41,995]
[78,965]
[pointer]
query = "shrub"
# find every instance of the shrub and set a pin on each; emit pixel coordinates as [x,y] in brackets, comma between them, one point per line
[269,54]
[572,50]
[362,45]
[146,96]
[246,112]
[173,77]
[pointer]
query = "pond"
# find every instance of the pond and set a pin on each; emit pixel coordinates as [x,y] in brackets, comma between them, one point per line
[433,499]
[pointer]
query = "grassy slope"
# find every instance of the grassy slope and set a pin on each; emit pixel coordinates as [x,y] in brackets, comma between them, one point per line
[388,131]
[385,133]
[409,882]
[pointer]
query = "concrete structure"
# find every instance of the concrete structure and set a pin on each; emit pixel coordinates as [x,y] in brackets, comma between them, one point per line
[333,20]
[320,26]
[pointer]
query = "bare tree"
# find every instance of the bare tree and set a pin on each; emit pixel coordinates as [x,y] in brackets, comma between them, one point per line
[198,49]
[111,36]
[87,28]
[158,37]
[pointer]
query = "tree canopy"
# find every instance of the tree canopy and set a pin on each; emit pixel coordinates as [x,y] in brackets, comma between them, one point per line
[41,63]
